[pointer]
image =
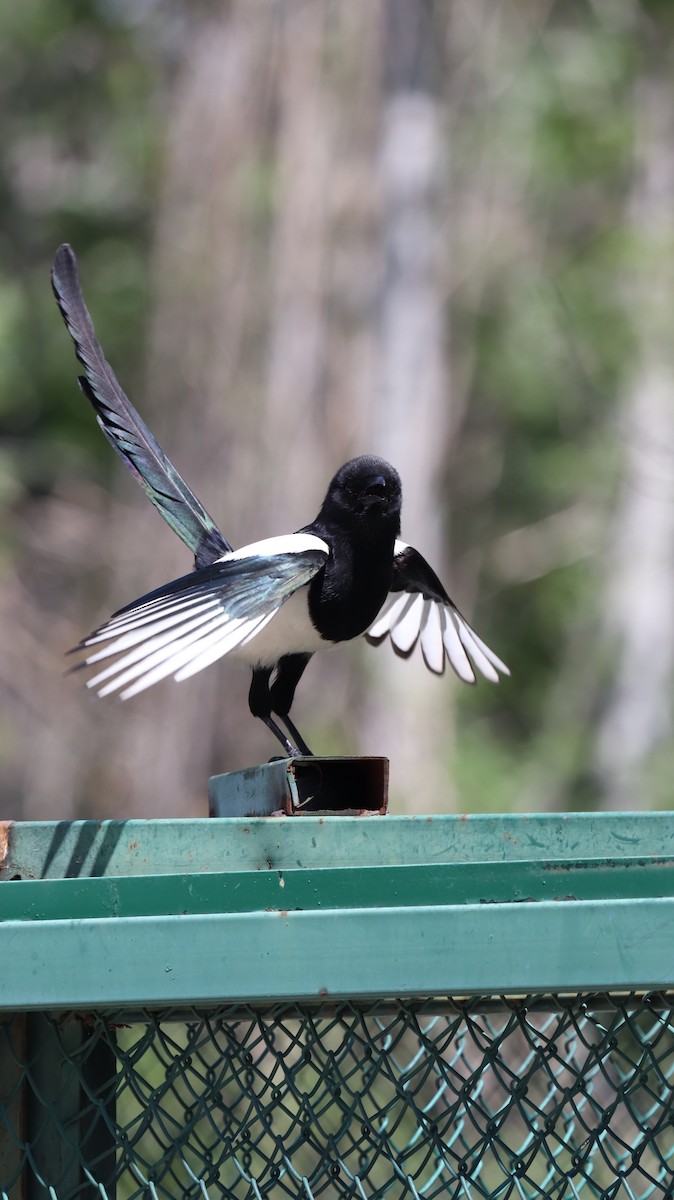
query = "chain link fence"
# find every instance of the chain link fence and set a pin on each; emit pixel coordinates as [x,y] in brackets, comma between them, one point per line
[537,1097]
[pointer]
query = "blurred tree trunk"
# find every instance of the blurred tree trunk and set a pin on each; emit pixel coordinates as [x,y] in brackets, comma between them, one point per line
[201,398]
[259,370]
[278,362]
[639,607]
[300,276]
[411,411]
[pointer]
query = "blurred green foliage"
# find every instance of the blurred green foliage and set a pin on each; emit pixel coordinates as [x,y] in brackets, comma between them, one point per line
[78,160]
[547,333]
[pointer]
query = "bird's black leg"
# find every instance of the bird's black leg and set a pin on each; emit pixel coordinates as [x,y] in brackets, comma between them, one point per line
[291,750]
[297,736]
[282,692]
[260,704]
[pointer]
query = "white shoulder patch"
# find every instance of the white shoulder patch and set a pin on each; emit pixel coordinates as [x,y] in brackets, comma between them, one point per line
[285,543]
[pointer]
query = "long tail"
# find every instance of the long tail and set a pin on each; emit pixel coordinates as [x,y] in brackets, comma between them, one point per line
[125,430]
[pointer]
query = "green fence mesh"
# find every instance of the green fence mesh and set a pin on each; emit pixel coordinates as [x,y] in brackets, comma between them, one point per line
[528,1098]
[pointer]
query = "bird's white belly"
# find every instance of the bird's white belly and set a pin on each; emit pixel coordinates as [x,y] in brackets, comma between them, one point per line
[290,631]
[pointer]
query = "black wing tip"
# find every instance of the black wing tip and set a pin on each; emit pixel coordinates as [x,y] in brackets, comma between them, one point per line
[405,654]
[434,671]
[375,641]
[86,642]
[77,667]
[82,646]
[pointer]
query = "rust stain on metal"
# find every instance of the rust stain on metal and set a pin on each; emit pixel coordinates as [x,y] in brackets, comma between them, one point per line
[322,813]
[606,863]
[5,835]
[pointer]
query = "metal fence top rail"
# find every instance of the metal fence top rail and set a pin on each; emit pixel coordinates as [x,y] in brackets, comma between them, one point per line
[338,1007]
[117,914]
[68,849]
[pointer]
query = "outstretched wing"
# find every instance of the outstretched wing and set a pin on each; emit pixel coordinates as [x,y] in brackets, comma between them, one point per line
[184,626]
[125,430]
[418,609]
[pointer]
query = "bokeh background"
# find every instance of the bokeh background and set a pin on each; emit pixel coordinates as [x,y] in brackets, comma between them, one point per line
[438,230]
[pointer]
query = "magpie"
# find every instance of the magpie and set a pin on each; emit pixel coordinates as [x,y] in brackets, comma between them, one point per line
[274,603]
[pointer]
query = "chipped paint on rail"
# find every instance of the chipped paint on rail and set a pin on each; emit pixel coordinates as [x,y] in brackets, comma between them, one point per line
[5,836]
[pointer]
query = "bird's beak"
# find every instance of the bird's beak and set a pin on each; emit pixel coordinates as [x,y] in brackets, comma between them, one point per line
[374,492]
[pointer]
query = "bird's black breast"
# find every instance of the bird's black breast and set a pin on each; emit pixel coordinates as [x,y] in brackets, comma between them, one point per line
[345,597]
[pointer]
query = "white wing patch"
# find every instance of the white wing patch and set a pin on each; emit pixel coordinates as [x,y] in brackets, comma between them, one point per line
[409,617]
[284,543]
[405,631]
[432,641]
[181,633]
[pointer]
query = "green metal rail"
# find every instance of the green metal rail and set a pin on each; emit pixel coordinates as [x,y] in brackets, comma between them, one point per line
[262,910]
[464,1006]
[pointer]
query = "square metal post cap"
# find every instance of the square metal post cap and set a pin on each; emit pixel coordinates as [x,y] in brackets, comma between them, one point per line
[292,787]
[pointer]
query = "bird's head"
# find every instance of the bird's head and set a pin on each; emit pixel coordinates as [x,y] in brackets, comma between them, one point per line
[365,492]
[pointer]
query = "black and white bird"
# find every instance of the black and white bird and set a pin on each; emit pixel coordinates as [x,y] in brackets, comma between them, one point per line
[274,603]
